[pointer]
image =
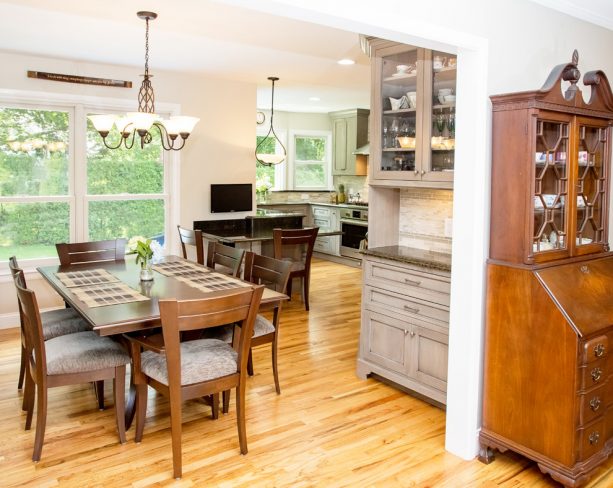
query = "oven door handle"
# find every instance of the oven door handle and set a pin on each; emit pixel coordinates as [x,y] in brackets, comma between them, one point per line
[361,223]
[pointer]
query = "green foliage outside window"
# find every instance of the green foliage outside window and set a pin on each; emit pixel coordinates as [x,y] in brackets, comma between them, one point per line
[265,175]
[310,162]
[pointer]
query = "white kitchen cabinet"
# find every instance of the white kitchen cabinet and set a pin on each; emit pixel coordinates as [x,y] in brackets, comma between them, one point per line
[349,132]
[326,217]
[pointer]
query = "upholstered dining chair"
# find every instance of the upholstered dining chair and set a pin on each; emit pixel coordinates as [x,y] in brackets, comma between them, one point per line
[272,273]
[54,323]
[198,368]
[296,247]
[191,237]
[229,258]
[66,360]
[87,252]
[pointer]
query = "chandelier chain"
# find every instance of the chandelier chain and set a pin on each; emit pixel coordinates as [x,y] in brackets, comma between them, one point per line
[147,48]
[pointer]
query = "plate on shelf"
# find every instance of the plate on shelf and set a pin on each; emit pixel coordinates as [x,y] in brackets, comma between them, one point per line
[401,75]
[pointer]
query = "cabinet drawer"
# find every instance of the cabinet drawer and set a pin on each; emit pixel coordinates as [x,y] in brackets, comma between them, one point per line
[591,439]
[595,348]
[319,222]
[593,374]
[386,341]
[319,212]
[412,282]
[322,244]
[379,299]
[592,404]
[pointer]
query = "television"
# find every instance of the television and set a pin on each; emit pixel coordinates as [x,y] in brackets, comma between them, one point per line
[237,197]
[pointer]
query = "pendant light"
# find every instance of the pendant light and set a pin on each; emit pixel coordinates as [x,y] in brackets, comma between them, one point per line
[140,123]
[270,159]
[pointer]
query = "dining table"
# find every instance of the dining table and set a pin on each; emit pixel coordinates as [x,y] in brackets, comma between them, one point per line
[111,297]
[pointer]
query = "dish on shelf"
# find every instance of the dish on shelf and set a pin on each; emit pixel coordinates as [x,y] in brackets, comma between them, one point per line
[544,246]
[583,240]
[399,103]
[406,142]
[442,143]
[550,199]
[405,74]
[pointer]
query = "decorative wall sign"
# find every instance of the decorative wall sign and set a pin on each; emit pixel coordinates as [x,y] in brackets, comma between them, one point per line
[83,80]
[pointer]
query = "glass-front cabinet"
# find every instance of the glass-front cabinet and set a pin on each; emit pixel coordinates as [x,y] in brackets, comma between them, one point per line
[413,115]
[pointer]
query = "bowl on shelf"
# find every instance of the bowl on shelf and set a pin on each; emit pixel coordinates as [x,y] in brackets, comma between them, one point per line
[449,99]
[412,98]
[406,142]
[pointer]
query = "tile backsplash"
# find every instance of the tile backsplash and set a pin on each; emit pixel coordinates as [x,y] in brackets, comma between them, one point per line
[422,218]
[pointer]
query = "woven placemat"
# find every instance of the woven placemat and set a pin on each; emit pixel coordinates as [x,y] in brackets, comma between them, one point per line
[107,294]
[179,268]
[213,282]
[86,277]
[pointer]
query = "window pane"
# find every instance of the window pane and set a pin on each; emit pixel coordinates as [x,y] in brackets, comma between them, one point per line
[31,230]
[126,218]
[310,175]
[114,171]
[33,152]
[310,148]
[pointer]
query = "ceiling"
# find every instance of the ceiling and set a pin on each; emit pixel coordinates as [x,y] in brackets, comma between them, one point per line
[202,36]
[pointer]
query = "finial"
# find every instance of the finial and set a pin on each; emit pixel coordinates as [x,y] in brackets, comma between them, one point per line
[575,57]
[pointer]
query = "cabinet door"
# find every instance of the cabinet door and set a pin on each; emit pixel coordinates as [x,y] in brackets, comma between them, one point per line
[429,352]
[385,341]
[591,176]
[550,189]
[340,146]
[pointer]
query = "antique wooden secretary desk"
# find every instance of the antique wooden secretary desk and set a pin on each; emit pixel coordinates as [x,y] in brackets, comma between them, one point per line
[548,370]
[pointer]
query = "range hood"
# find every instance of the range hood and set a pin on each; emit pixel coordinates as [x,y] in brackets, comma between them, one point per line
[362,150]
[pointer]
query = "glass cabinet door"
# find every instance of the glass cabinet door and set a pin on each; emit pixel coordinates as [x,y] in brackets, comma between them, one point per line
[399,95]
[591,185]
[550,210]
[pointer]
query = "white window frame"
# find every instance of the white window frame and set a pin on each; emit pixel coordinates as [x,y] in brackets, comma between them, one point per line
[78,107]
[280,169]
[327,163]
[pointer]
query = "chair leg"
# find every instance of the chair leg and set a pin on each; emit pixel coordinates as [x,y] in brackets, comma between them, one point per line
[28,399]
[305,291]
[215,406]
[141,410]
[226,401]
[240,415]
[22,368]
[289,288]
[41,422]
[275,369]
[250,363]
[175,432]
[119,393]
[99,388]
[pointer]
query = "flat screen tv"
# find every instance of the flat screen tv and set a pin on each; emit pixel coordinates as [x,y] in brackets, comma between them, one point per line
[231,198]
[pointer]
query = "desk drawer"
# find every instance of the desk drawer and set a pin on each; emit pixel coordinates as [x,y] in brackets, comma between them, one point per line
[595,349]
[591,439]
[592,404]
[593,374]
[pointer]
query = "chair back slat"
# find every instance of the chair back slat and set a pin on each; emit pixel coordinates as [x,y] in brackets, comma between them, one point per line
[270,272]
[230,258]
[189,237]
[32,328]
[287,241]
[87,252]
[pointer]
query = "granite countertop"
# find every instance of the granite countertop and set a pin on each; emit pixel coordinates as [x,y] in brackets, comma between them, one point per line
[264,213]
[362,205]
[230,236]
[409,255]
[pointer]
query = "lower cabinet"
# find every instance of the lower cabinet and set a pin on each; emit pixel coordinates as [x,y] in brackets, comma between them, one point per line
[326,217]
[405,321]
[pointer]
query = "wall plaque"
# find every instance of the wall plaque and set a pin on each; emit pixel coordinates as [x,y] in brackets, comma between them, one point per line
[84,80]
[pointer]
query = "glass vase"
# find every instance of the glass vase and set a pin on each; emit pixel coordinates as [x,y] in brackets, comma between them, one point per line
[146,273]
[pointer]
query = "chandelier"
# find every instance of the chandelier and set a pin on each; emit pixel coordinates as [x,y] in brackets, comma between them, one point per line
[271,139]
[141,122]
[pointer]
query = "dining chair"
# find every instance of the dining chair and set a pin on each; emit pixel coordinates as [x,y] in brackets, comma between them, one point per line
[272,273]
[229,258]
[54,323]
[87,252]
[198,368]
[191,237]
[66,360]
[296,247]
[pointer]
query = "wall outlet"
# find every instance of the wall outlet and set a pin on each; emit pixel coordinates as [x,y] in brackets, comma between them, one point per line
[304,196]
[448,227]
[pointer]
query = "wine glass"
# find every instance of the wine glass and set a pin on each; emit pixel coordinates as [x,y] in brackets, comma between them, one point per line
[385,135]
[440,123]
[451,124]
[394,133]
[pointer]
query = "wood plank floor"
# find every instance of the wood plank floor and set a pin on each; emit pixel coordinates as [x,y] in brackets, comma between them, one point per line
[327,428]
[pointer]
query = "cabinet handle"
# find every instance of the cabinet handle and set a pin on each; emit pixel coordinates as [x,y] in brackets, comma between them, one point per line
[599,350]
[595,403]
[416,172]
[412,334]
[423,172]
[406,332]
[594,438]
[411,309]
[412,282]
[596,374]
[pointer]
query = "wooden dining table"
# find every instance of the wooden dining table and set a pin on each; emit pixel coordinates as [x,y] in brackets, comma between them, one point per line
[136,316]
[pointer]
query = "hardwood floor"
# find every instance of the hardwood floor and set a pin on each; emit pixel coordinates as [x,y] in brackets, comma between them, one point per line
[327,428]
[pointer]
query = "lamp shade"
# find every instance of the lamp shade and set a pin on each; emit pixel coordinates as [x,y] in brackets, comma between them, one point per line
[123,124]
[142,120]
[180,124]
[102,122]
[270,158]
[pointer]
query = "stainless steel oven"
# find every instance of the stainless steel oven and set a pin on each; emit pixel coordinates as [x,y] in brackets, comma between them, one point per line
[354,226]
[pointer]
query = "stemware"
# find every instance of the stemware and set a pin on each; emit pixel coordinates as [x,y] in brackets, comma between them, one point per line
[440,123]
[451,124]
[394,133]
[385,135]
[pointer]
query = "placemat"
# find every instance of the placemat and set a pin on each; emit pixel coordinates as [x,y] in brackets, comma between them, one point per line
[107,294]
[86,277]
[178,268]
[212,282]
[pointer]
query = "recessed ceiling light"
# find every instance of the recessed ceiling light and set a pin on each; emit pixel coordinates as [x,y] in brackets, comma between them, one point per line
[314,99]
[346,61]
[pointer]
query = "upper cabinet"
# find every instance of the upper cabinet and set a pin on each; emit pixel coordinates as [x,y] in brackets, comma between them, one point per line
[413,123]
[551,153]
[349,132]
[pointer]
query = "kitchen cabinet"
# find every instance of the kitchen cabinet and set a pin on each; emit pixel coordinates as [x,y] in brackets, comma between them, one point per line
[328,217]
[349,132]
[548,368]
[304,209]
[405,321]
[413,116]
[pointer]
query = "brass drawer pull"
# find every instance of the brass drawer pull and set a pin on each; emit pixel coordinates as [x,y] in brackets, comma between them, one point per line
[412,282]
[413,310]
[599,350]
[595,403]
[596,374]
[594,438]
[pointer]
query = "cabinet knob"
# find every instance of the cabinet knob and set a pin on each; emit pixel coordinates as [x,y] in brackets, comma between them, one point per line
[594,438]
[595,403]
[596,374]
[411,309]
[412,334]
[416,172]
[423,172]
[406,332]
[412,282]
[599,350]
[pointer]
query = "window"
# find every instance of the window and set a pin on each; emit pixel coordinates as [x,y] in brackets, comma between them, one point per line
[311,155]
[59,183]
